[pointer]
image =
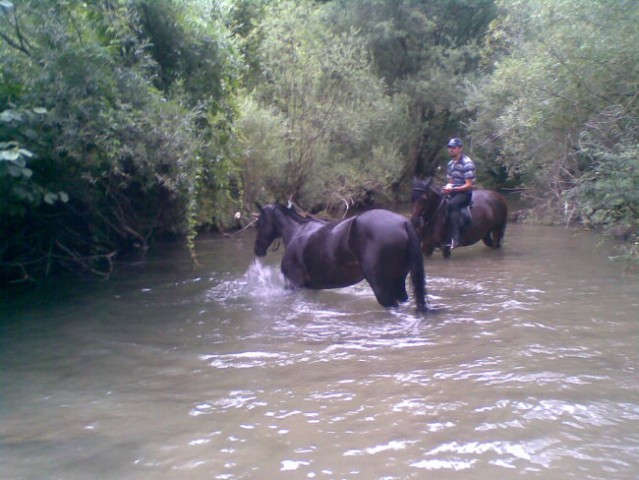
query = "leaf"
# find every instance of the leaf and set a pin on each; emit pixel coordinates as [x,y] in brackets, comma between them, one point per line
[10,155]
[24,193]
[50,198]
[63,196]
[25,152]
[40,110]
[14,171]
[10,115]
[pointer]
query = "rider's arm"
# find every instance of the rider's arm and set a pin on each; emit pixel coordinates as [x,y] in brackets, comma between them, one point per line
[467,186]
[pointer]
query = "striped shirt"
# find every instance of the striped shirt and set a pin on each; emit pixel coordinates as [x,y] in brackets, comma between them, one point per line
[458,172]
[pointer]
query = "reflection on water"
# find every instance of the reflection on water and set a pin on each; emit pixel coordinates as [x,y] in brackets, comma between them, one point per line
[528,368]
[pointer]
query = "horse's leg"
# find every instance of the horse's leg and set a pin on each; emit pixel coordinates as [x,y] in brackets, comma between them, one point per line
[488,239]
[384,294]
[386,286]
[498,235]
[385,283]
[428,248]
[290,285]
[493,237]
[416,269]
[391,267]
[387,253]
[400,291]
[292,270]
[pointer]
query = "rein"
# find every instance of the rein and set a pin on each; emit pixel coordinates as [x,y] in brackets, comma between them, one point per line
[442,203]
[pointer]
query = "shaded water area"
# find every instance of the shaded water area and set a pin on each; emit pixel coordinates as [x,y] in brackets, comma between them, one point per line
[528,369]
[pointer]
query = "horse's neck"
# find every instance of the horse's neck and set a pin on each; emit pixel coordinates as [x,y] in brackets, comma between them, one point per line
[440,208]
[436,221]
[288,225]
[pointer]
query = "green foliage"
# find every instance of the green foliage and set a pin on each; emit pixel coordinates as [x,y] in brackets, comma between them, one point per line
[560,110]
[361,95]
[129,147]
[558,63]
[21,192]
[607,194]
[193,52]
[321,119]
[427,51]
[243,18]
[125,120]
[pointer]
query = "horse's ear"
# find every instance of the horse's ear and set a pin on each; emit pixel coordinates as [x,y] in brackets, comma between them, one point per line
[422,184]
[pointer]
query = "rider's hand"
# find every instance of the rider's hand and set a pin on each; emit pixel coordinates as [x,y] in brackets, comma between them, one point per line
[448,188]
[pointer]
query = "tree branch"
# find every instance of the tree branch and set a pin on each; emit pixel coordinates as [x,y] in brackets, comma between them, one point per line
[22,44]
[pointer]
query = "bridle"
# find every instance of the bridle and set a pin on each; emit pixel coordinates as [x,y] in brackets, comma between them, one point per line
[442,204]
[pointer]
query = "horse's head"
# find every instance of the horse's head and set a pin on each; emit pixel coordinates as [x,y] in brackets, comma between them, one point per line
[425,200]
[267,230]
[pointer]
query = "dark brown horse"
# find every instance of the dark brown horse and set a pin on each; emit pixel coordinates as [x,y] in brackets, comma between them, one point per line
[377,245]
[488,215]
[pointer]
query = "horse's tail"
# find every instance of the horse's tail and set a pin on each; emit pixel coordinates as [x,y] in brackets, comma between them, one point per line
[417,273]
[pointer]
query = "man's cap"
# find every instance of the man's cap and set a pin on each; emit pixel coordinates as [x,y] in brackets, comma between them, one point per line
[454,142]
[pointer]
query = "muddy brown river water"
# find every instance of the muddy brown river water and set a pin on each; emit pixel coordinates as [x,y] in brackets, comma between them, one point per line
[529,369]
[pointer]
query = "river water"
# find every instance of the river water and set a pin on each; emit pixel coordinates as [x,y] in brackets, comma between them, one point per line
[528,369]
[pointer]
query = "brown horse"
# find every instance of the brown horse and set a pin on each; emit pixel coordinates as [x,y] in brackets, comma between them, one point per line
[488,215]
[377,245]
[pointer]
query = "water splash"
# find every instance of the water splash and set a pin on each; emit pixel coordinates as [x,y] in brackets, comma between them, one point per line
[264,280]
[259,281]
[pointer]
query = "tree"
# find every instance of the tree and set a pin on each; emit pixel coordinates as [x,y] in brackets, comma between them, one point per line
[427,51]
[122,154]
[322,111]
[563,91]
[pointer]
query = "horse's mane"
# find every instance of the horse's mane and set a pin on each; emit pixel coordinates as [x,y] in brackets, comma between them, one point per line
[425,185]
[292,212]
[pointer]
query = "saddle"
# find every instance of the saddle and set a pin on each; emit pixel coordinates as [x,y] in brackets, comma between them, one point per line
[467,215]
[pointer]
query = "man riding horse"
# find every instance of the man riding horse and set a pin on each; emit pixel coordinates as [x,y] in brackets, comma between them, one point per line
[461,180]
